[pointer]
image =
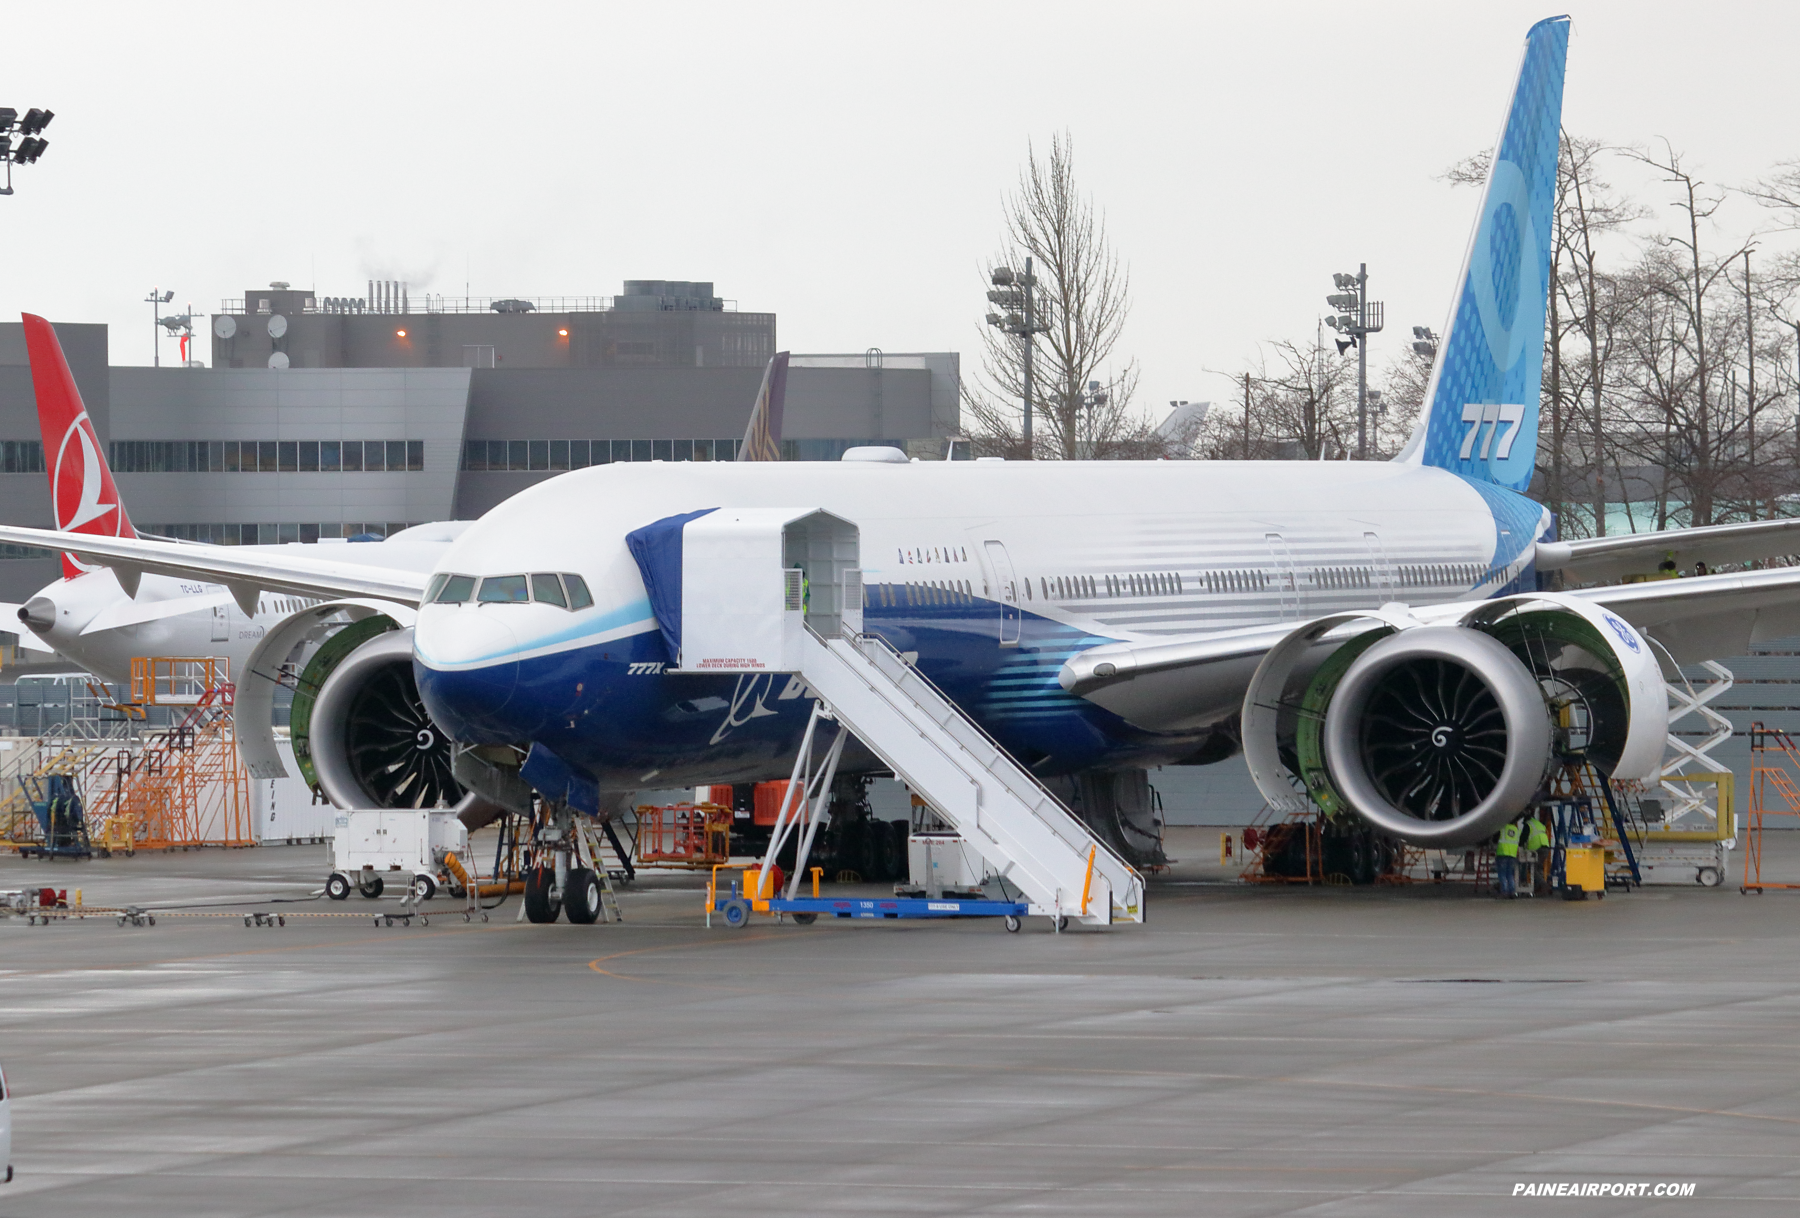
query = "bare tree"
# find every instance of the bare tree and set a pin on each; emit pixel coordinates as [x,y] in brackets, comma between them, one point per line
[1587,211]
[1299,404]
[1083,299]
[1686,280]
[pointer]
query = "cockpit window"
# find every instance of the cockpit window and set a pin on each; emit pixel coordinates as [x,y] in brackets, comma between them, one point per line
[433,588]
[505,589]
[454,590]
[547,590]
[578,591]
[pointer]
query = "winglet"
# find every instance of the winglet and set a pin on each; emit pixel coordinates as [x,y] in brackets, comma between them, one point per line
[762,439]
[82,494]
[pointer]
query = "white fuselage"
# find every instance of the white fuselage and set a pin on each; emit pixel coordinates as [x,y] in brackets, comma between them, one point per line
[1123,550]
[992,573]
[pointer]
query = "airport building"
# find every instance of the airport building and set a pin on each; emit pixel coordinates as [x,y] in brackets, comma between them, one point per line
[331,416]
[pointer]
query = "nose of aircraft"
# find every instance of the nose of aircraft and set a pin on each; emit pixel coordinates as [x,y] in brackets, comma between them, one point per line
[39,613]
[467,668]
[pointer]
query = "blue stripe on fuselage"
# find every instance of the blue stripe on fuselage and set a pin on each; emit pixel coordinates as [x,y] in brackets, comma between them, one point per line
[612,711]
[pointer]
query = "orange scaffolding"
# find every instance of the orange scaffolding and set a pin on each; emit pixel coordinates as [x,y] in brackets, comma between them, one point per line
[1773,764]
[695,836]
[186,786]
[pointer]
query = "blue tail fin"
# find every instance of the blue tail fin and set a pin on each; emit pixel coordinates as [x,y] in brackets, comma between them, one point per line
[1481,412]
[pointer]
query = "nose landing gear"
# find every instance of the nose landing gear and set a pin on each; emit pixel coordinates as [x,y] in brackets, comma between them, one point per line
[566,875]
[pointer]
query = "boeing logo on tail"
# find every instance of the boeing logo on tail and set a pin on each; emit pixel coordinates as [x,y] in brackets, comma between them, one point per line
[1481,419]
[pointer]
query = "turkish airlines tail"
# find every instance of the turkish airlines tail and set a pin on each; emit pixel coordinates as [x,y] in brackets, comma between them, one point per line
[82,493]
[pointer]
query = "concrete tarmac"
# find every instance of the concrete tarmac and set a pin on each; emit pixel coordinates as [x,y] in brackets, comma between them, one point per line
[1408,1051]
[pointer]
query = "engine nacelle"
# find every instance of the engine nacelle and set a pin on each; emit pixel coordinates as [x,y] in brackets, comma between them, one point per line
[369,738]
[1439,733]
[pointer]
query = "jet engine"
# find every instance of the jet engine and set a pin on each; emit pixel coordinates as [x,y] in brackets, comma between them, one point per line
[366,734]
[1439,732]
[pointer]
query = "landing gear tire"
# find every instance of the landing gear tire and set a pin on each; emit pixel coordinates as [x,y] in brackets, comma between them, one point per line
[1012,924]
[337,887]
[372,889]
[806,919]
[737,912]
[424,887]
[540,905]
[581,899]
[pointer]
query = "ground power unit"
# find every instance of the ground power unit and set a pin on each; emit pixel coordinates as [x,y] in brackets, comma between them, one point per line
[371,847]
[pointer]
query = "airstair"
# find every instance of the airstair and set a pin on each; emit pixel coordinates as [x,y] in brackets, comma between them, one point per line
[1041,847]
[758,591]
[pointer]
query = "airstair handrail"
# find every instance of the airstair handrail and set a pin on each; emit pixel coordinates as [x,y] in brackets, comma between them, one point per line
[1085,836]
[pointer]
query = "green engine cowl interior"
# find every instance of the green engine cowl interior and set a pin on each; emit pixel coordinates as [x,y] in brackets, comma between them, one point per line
[1309,737]
[1537,637]
[318,670]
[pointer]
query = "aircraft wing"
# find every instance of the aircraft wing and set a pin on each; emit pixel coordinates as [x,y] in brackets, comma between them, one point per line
[1595,558]
[1708,616]
[1168,680]
[245,571]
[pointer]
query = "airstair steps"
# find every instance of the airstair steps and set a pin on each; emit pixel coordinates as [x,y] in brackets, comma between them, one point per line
[1039,845]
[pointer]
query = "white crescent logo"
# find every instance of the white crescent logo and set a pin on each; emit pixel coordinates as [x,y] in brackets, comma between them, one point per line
[1440,736]
[89,507]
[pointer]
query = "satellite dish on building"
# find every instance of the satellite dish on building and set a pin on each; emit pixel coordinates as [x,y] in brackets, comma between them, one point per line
[278,361]
[277,326]
[224,327]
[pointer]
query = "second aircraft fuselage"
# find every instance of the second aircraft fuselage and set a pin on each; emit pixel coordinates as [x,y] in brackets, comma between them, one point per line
[992,573]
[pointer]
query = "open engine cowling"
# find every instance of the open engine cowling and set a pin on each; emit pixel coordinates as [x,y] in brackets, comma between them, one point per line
[1439,733]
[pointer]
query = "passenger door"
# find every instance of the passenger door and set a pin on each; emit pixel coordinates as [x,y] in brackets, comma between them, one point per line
[1006,591]
[1384,573]
[221,623]
[1285,584]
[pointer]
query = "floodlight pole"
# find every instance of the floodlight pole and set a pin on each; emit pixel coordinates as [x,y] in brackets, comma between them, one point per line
[155,299]
[1362,363]
[1030,340]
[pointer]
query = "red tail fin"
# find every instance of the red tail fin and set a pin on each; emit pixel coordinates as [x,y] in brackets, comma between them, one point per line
[82,493]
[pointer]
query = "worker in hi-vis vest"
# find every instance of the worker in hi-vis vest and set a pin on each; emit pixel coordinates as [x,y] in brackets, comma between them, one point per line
[1506,854]
[1537,852]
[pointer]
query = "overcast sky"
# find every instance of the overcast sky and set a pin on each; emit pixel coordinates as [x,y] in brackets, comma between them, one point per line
[840,164]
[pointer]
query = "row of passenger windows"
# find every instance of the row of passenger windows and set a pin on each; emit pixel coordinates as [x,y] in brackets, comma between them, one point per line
[265,456]
[1172,583]
[263,534]
[285,604]
[490,455]
[1460,573]
[565,591]
[926,592]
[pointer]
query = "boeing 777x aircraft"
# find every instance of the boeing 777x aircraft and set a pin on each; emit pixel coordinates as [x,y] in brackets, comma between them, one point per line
[1371,634]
